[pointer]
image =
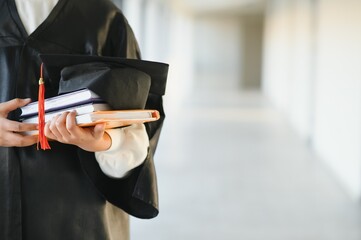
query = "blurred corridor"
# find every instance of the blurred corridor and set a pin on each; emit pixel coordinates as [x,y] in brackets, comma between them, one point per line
[263,130]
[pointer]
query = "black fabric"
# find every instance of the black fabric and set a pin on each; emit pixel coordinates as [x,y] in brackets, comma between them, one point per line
[62,193]
[122,88]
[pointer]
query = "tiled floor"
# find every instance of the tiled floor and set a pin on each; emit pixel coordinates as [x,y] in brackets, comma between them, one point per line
[229,167]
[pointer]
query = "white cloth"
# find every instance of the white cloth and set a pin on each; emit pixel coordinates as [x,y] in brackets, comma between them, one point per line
[33,12]
[129,149]
[130,144]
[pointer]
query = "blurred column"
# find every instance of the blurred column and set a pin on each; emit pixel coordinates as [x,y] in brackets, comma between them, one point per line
[181,57]
[134,12]
[119,3]
[165,33]
[337,131]
[289,61]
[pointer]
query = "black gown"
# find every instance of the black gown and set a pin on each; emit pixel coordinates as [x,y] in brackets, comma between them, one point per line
[61,193]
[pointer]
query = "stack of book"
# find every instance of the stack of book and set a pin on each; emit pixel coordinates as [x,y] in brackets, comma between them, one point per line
[90,109]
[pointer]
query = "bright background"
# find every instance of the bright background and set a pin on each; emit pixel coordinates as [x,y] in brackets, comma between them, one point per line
[293,66]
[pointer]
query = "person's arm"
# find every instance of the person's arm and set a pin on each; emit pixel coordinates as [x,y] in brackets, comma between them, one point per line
[129,149]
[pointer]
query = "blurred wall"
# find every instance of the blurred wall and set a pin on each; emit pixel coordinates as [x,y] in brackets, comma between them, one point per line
[228,50]
[337,129]
[218,52]
[312,74]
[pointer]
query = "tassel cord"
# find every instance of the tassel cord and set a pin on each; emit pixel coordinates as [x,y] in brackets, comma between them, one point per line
[44,144]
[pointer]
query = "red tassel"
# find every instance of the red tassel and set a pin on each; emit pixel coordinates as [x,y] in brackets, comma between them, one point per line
[44,144]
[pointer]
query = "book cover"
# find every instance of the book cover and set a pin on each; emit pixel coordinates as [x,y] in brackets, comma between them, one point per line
[117,118]
[62,101]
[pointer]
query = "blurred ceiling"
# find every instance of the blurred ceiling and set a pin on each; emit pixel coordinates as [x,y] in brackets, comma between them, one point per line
[224,6]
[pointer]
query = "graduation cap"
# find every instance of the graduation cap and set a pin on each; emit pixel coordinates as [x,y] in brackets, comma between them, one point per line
[122,83]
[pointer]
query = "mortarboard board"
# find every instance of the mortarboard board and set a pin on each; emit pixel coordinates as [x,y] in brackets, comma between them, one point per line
[158,72]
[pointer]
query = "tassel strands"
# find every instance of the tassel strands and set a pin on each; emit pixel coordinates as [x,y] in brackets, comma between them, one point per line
[42,140]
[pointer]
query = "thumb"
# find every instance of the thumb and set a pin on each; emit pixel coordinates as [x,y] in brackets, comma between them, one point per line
[13,104]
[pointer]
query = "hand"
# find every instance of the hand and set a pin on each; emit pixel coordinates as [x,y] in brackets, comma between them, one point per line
[63,128]
[10,131]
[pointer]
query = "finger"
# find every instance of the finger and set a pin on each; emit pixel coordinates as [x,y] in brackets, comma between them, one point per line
[98,130]
[71,125]
[15,126]
[53,127]
[48,132]
[27,141]
[61,125]
[18,140]
[11,105]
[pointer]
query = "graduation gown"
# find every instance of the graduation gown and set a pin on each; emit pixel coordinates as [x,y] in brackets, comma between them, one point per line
[61,193]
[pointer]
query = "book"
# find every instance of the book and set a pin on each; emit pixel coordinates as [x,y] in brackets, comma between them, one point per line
[113,118]
[66,100]
[117,118]
[81,109]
